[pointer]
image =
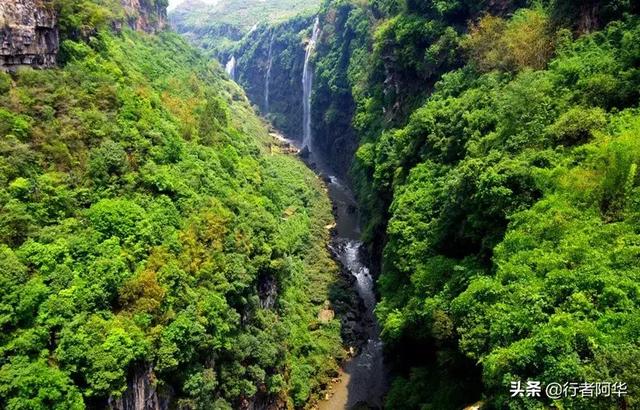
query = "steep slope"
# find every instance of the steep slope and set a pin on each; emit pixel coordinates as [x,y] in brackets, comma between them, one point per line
[156,248]
[496,165]
[269,68]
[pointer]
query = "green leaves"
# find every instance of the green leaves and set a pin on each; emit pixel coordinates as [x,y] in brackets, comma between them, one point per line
[509,202]
[115,217]
[26,384]
[139,209]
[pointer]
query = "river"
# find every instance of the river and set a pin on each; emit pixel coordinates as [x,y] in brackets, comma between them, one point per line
[363,379]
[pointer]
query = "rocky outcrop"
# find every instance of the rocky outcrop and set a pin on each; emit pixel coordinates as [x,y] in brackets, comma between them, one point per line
[142,393]
[268,291]
[146,15]
[28,34]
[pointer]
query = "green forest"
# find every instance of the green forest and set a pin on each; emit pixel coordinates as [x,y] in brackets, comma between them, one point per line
[155,237]
[143,207]
[497,159]
[216,26]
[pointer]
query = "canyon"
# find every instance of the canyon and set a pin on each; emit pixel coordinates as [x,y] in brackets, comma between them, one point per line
[30,34]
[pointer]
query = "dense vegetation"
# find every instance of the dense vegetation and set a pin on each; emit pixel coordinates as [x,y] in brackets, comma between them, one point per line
[498,159]
[494,149]
[496,166]
[149,227]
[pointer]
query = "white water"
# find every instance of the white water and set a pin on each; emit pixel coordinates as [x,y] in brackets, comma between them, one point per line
[267,80]
[364,377]
[230,68]
[307,86]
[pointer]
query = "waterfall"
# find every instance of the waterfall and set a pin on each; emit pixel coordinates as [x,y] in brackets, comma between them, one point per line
[307,86]
[230,68]
[268,77]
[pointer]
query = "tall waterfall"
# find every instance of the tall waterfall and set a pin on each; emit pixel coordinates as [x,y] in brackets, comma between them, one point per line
[230,68]
[307,86]
[268,76]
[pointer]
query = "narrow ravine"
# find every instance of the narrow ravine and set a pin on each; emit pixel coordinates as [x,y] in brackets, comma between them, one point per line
[363,380]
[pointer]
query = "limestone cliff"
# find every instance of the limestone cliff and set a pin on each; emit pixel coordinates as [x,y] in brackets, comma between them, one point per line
[28,34]
[146,15]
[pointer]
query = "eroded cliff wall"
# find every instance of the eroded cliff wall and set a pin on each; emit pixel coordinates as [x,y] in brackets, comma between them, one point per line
[28,34]
[146,15]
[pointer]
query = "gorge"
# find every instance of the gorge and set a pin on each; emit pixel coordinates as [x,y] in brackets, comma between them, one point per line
[453,123]
[319,204]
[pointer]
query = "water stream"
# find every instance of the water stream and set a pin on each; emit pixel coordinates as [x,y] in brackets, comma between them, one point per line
[307,85]
[363,380]
[267,80]
[230,68]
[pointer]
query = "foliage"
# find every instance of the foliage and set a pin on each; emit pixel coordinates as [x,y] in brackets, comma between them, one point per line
[217,27]
[524,41]
[496,163]
[512,224]
[496,169]
[141,210]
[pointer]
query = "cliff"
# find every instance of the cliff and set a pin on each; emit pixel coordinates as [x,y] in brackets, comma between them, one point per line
[146,15]
[270,61]
[30,30]
[28,34]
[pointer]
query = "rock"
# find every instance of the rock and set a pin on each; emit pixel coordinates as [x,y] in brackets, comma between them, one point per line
[330,227]
[28,34]
[326,315]
[304,152]
[267,291]
[141,393]
[145,15]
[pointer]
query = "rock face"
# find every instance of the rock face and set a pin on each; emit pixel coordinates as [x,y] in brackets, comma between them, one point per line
[283,70]
[28,34]
[146,15]
[141,393]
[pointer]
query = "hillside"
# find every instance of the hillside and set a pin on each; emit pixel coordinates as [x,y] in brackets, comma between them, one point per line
[493,149]
[216,27]
[156,247]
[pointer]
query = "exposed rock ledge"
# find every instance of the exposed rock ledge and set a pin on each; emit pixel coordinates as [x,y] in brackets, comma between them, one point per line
[28,34]
[146,15]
